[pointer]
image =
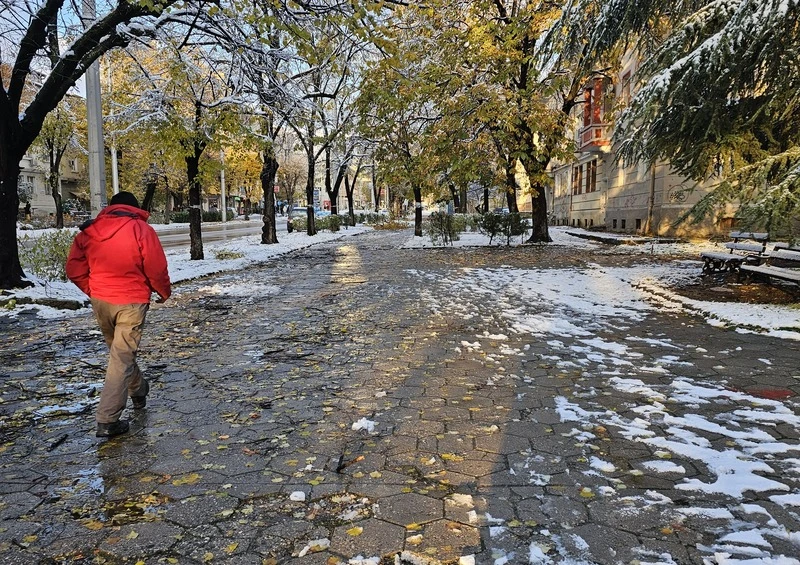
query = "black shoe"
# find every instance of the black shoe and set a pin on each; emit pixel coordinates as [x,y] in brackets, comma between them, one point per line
[113,429]
[140,402]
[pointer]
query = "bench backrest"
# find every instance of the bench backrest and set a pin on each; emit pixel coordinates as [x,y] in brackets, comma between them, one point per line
[783,245]
[756,236]
[784,258]
[750,247]
[749,242]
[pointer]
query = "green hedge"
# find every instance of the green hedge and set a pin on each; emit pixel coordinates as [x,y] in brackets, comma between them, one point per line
[507,225]
[330,223]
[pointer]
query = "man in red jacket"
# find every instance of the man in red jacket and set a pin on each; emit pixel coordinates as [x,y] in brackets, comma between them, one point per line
[117,260]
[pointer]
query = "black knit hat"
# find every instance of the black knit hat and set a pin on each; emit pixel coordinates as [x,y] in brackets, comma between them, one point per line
[124,198]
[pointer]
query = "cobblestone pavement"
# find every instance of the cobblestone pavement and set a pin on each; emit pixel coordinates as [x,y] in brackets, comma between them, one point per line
[355,401]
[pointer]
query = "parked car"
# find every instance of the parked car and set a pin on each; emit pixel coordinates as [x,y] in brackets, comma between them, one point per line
[297,212]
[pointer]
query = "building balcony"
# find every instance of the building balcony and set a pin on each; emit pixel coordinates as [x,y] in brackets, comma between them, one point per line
[594,138]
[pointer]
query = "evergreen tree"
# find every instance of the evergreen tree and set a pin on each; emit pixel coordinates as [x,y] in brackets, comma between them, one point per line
[717,99]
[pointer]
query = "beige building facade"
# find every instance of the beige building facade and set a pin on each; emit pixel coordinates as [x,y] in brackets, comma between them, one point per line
[33,175]
[596,190]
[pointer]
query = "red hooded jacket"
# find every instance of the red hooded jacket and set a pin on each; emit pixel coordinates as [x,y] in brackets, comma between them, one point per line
[118,258]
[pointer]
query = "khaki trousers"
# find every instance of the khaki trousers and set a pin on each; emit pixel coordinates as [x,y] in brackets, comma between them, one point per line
[121,325]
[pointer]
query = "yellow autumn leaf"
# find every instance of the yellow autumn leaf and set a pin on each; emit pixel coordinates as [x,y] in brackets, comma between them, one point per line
[586,492]
[207,556]
[231,548]
[189,479]
[355,531]
[93,524]
[375,475]
[132,535]
[30,538]
[140,562]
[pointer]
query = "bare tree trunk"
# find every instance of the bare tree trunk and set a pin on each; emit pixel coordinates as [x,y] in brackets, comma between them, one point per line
[456,197]
[168,203]
[11,274]
[269,170]
[195,212]
[511,187]
[328,183]
[349,189]
[539,230]
[311,228]
[57,200]
[149,192]
[418,211]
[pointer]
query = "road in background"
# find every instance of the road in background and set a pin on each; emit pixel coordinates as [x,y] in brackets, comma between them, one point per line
[177,235]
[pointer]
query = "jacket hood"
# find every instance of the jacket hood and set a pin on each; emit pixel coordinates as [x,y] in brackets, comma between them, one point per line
[111,219]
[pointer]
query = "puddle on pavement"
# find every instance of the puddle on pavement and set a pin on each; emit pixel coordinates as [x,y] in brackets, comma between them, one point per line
[142,508]
[88,481]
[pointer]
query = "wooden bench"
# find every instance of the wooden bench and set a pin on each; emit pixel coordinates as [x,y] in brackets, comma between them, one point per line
[779,245]
[783,263]
[744,247]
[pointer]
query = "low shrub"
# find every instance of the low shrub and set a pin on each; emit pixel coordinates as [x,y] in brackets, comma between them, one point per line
[225,254]
[442,228]
[330,223]
[370,218]
[507,225]
[46,256]
[300,224]
[388,224]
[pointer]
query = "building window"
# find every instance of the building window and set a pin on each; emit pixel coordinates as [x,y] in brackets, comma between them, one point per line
[638,223]
[622,224]
[593,103]
[73,165]
[577,179]
[591,176]
[591,222]
[626,88]
[47,188]
[614,224]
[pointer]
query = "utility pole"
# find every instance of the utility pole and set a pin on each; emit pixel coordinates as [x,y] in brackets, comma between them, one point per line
[222,186]
[113,148]
[94,118]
